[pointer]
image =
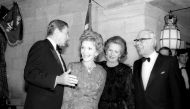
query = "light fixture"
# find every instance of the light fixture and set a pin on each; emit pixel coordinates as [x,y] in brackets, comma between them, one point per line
[170,35]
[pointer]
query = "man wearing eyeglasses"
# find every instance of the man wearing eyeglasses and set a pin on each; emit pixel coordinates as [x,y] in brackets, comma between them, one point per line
[156,77]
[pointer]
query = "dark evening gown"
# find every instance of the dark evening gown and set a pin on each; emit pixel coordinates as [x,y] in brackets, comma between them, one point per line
[90,85]
[117,93]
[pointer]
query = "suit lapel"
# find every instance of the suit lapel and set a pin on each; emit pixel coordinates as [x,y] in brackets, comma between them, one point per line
[139,69]
[56,57]
[54,53]
[64,65]
[155,71]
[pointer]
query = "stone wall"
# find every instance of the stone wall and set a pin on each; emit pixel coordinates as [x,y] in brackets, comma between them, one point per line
[116,18]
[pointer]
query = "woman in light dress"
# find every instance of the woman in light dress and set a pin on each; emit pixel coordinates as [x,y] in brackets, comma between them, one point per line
[91,76]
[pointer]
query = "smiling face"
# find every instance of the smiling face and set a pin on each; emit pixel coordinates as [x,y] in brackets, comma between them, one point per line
[88,50]
[145,43]
[113,52]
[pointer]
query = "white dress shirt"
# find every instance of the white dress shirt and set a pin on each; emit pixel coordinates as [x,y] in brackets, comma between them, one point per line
[147,68]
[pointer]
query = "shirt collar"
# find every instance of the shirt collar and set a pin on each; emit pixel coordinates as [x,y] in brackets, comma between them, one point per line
[181,65]
[153,56]
[52,42]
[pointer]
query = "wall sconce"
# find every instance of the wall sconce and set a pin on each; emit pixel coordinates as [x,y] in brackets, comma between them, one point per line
[170,35]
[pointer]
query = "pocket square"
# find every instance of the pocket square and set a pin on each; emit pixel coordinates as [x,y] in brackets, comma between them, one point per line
[162,72]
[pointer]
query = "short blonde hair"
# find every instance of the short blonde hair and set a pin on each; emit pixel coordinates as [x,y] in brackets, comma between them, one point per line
[93,36]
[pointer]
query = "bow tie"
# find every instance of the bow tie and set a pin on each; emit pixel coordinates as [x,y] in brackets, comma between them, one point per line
[183,68]
[58,48]
[145,59]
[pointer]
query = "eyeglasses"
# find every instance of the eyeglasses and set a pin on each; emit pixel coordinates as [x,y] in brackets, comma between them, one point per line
[141,40]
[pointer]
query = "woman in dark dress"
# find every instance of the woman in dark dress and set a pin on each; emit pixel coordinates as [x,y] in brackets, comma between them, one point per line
[117,93]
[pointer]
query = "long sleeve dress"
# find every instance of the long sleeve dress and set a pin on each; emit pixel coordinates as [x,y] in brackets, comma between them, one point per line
[90,85]
[117,93]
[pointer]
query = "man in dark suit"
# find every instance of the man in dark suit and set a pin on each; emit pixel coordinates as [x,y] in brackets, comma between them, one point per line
[182,56]
[156,77]
[45,72]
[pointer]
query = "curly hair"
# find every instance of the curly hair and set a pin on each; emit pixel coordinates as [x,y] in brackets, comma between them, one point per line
[117,40]
[90,35]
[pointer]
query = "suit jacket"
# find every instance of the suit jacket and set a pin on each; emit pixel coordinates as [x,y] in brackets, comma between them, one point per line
[185,92]
[188,74]
[163,88]
[42,67]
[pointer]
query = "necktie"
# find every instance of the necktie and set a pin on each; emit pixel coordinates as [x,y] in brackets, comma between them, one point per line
[183,68]
[145,59]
